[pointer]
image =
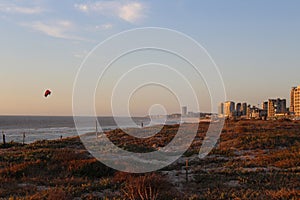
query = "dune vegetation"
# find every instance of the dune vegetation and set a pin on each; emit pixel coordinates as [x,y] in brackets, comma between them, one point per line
[252,160]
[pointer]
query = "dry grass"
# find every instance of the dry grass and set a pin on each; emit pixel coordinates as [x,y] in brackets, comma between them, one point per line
[253,160]
[150,186]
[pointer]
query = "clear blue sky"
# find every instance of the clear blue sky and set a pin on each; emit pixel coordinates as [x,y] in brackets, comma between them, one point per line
[255,44]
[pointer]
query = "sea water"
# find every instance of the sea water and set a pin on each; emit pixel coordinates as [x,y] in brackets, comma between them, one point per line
[54,127]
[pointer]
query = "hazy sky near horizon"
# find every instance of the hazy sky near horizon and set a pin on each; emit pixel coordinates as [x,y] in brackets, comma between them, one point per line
[255,44]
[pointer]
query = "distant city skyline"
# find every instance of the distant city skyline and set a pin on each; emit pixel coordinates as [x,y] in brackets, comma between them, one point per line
[288,98]
[255,45]
[272,108]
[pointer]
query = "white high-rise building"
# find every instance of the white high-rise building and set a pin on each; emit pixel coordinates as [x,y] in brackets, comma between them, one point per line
[221,109]
[184,111]
[295,101]
[229,108]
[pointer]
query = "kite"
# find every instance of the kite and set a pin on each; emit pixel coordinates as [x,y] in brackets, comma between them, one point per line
[47,93]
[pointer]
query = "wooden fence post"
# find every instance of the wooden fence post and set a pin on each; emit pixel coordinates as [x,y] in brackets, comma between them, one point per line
[187,170]
[24,138]
[3,135]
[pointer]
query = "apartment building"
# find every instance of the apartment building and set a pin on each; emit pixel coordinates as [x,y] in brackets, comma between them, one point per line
[295,101]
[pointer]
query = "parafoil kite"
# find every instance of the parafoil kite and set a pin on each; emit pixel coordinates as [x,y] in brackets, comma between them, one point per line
[47,93]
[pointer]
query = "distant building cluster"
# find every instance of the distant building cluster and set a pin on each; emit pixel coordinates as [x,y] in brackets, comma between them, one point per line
[187,114]
[230,109]
[271,109]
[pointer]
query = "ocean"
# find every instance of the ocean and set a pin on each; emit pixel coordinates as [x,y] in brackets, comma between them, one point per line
[52,127]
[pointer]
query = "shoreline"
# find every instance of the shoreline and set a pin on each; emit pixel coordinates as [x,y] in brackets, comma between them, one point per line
[53,132]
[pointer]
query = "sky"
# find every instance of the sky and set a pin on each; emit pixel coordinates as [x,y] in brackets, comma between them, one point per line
[255,45]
